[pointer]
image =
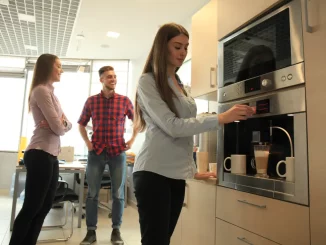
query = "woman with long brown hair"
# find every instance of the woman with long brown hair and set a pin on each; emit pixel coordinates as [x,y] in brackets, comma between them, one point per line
[40,156]
[168,114]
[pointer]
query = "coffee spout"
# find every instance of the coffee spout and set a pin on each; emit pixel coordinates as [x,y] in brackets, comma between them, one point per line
[287,134]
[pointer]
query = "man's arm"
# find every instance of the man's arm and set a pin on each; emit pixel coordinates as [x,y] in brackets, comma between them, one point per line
[83,134]
[83,120]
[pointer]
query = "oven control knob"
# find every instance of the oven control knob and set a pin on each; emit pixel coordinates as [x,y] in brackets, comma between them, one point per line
[266,82]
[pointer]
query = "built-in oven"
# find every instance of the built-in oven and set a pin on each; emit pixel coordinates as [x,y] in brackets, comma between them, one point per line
[264,56]
[262,66]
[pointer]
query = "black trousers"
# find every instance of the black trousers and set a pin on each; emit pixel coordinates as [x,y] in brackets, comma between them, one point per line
[41,183]
[159,201]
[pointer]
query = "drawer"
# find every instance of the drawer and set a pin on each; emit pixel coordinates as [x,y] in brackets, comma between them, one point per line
[227,234]
[279,221]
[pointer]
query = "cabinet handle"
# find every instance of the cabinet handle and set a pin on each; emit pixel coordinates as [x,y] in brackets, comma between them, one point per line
[243,239]
[211,82]
[252,204]
[308,27]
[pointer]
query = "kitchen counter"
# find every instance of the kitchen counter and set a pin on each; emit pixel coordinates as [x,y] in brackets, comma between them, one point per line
[210,181]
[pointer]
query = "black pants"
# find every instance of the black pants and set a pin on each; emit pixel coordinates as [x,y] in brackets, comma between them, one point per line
[159,201]
[41,183]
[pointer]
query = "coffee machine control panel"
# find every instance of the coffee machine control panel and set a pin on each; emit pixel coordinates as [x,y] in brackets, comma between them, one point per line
[262,106]
[283,78]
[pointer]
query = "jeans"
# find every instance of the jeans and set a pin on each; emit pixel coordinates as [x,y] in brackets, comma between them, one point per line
[94,172]
[159,202]
[40,188]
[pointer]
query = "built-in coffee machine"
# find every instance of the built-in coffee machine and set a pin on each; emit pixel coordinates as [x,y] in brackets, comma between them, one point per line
[262,66]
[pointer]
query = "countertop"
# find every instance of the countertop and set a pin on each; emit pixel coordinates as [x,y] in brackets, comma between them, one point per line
[210,181]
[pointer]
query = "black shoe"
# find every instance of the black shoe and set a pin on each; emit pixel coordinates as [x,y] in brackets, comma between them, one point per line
[89,238]
[116,237]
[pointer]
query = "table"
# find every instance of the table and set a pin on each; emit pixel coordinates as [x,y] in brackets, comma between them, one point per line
[74,167]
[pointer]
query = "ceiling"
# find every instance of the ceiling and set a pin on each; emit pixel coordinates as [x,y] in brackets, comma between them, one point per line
[33,27]
[53,25]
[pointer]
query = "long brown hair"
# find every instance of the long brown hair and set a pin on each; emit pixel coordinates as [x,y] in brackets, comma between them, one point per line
[157,64]
[42,72]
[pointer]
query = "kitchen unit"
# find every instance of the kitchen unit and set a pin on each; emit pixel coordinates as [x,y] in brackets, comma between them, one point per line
[233,14]
[196,224]
[314,38]
[204,50]
[256,216]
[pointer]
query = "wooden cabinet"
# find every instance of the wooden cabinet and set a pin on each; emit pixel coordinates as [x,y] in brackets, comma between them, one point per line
[315,72]
[204,50]
[279,221]
[232,14]
[197,220]
[228,234]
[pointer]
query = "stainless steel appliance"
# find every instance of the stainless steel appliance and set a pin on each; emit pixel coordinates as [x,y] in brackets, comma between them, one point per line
[262,66]
[264,56]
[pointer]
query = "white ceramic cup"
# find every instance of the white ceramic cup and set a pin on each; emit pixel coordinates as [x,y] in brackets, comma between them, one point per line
[290,170]
[213,167]
[238,164]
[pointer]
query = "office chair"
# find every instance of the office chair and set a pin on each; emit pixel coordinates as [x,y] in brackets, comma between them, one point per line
[63,195]
[105,184]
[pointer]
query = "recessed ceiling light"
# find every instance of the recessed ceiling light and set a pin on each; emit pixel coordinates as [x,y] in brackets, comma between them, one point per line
[4,2]
[80,37]
[113,34]
[105,46]
[25,17]
[31,47]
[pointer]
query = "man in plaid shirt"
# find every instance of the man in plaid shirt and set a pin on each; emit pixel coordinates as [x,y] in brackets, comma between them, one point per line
[108,111]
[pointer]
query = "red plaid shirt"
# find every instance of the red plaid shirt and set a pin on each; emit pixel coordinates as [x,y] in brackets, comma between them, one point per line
[108,119]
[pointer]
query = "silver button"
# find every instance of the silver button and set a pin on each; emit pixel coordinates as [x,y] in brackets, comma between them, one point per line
[290,76]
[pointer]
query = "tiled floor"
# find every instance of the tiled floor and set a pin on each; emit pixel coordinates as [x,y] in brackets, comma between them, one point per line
[130,227]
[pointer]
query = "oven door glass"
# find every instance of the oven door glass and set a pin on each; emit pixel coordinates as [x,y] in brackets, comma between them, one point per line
[264,48]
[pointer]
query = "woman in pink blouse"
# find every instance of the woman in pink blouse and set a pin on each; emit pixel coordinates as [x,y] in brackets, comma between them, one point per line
[40,157]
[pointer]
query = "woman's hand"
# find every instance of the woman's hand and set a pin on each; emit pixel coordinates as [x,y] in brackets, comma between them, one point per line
[129,144]
[203,176]
[236,113]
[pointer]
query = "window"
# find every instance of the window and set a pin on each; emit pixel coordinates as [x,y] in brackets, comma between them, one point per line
[12,86]
[11,102]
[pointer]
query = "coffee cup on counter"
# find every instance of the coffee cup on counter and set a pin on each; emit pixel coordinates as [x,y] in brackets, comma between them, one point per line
[238,164]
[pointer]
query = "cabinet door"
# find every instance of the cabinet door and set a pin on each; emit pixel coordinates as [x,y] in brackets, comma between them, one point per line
[235,13]
[198,215]
[315,60]
[228,234]
[264,216]
[204,50]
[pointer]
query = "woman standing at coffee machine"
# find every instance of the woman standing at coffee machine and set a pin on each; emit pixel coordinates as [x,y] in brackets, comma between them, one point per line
[168,114]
